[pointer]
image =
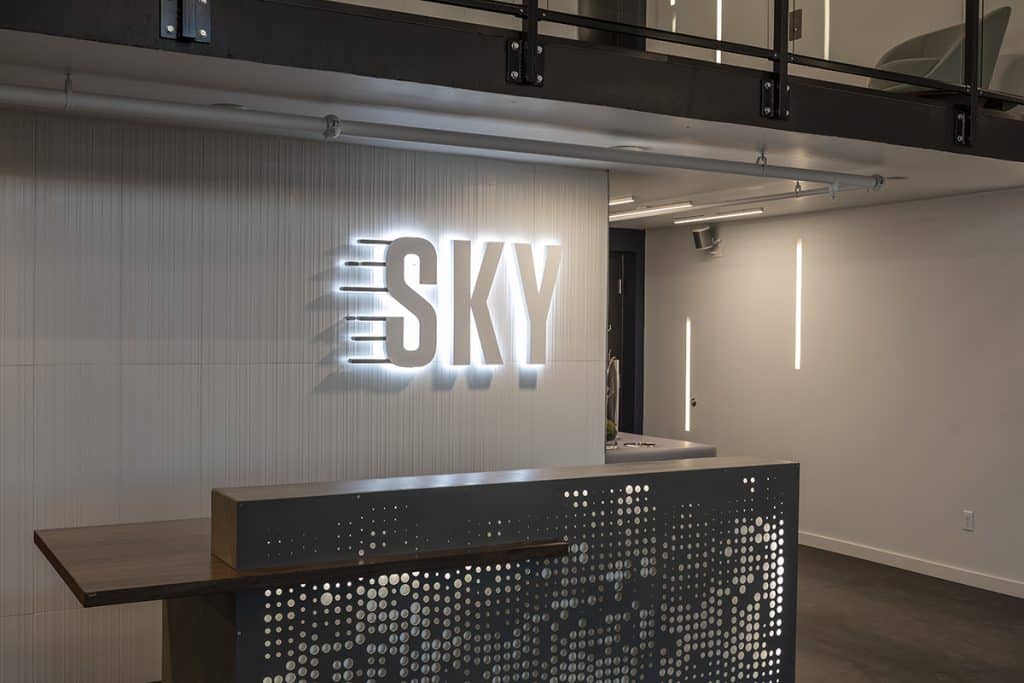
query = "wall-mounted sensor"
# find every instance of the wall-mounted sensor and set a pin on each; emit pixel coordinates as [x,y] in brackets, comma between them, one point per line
[706,239]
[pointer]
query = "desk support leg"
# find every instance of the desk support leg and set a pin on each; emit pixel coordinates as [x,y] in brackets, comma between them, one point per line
[199,639]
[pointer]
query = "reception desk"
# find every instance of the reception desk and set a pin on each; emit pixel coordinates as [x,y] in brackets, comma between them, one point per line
[676,570]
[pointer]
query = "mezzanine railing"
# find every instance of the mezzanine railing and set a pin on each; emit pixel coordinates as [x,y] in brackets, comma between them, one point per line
[959,71]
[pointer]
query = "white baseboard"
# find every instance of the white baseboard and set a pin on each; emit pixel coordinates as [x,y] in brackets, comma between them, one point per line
[938,570]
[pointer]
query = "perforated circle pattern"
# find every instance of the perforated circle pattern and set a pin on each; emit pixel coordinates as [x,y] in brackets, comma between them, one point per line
[652,589]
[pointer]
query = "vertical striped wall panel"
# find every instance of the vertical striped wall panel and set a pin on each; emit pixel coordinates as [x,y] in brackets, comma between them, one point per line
[169,322]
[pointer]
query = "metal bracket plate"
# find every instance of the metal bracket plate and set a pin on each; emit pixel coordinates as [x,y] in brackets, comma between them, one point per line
[523,65]
[774,99]
[962,126]
[185,20]
[796,24]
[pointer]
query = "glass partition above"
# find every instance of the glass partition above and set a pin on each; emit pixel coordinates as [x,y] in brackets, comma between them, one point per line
[917,38]
[744,22]
[439,10]
[747,22]
[1002,46]
[858,42]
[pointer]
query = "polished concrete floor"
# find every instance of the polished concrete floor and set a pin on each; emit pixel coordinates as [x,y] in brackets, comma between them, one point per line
[860,622]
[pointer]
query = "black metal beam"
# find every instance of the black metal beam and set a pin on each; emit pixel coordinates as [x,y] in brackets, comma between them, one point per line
[778,88]
[314,34]
[972,44]
[532,54]
[967,113]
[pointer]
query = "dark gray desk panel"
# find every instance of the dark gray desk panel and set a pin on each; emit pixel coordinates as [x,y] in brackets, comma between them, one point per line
[681,574]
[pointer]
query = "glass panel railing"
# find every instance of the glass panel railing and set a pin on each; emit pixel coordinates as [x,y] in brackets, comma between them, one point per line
[559,30]
[744,22]
[901,46]
[1002,46]
[921,39]
[437,10]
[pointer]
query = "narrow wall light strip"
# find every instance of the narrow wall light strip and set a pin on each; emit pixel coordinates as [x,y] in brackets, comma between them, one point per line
[688,396]
[718,29]
[720,217]
[653,211]
[799,307]
[827,51]
[619,201]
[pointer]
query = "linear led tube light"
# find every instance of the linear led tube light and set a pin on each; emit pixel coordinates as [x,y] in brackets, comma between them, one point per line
[777,197]
[687,396]
[653,211]
[827,51]
[718,30]
[619,201]
[798,318]
[720,217]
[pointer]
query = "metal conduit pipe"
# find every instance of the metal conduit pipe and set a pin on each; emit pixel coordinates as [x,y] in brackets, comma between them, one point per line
[332,128]
[777,197]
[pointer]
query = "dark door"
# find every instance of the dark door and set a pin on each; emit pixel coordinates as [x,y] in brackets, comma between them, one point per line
[625,322]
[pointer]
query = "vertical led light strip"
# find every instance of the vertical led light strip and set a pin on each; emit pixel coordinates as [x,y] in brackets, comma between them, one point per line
[799,307]
[827,52]
[687,398]
[718,29]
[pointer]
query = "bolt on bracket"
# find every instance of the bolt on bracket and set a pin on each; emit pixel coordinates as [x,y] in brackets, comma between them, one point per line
[962,126]
[774,99]
[524,65]
[186,20]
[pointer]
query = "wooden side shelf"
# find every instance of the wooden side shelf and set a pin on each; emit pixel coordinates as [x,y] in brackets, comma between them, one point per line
[117,564]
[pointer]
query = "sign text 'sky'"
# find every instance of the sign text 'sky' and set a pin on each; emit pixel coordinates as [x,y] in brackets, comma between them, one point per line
[469,300]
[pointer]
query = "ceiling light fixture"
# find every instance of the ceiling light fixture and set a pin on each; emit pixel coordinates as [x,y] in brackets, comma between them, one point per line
[619,201]
[653,211]
[720,217]
[781,196]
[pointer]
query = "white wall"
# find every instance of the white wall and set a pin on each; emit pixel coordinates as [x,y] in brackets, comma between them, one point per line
[168,324]
[907,408]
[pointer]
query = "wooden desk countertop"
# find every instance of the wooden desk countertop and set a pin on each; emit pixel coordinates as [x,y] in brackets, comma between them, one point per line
[122,563]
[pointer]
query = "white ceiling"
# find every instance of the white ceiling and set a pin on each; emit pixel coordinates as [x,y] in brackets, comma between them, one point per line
[30,59]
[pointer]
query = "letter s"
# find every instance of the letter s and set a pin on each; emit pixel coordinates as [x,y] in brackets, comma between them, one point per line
[410,299]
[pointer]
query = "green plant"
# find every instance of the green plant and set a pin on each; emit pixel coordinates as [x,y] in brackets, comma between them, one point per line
[610,430]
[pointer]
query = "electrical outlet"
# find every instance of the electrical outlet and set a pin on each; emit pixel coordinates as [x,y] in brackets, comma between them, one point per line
[968,520]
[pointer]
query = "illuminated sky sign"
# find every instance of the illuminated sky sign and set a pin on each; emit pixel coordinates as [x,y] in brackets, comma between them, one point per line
[411,333]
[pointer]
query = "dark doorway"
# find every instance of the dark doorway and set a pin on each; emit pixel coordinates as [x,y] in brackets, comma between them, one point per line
[626,322]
